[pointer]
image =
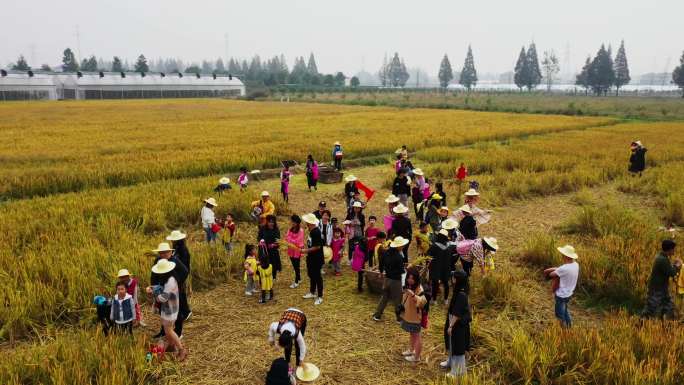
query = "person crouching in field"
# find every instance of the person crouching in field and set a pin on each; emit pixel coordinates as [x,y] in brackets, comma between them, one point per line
[250,265]
[659,303]
[637,160]
[224,185]
[567,274]
[123,310]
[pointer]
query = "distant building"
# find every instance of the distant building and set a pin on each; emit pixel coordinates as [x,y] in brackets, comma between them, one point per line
[110,85]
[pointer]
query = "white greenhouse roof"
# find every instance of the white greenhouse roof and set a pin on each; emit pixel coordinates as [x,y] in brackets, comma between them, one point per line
[24,80]
[150,79]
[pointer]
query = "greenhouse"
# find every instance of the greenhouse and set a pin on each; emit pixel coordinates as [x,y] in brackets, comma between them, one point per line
[117,85]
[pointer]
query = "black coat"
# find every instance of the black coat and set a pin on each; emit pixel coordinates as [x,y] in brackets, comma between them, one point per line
[392,264]
[637,161]
[401,186]
[180,273]
[182,253]
[349,190]
[460,334]
[468,227]
[442,262]
[401,226]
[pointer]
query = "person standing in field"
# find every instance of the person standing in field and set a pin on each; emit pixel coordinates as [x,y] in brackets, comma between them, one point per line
[131,284]
[295,243]
[228,233]
[401,227]
[350,189]
[392,269]
[180,273]
[209,219]
[457,326]
[311,173]
[467,226]
[401,187]
[357,225]
[637,160]
[314,258]
[461,175]
[337,155]
[269,236]
[472,198]
[123,310]
[412,306]
[658,302]
[285,183]
[442,255]
[262,208]
[182,254]
[567,273]
[164,292]
[243,179]
[321,209]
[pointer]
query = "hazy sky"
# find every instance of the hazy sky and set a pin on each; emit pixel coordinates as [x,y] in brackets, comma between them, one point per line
[345,35]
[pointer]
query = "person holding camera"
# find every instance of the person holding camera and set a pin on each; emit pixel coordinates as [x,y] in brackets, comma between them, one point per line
[411,311]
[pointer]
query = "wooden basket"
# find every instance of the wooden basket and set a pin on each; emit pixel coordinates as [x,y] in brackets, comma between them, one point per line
[327,174]
[374,281]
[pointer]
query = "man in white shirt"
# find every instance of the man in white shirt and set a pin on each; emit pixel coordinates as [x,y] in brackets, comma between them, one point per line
[208,218]
[289,329]
[567,275]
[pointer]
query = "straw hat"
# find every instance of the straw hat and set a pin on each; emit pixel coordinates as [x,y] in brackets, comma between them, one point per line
[399,242]
[444,232]
[397,151]
[337,143]
[310,219]
[211,201]
[491,242]
[122,273]
[449,224]
[224,180]
[418,171]
[309,372]
[392,199]
[471,193]
[638,143]
[176,235]
[327,253]
[568,251]
[255,172]
[466,209]
[436,196]
[163,247]
[265,194]
[163,266]
[357,204]
[350,178]
[444,208]
[400,209]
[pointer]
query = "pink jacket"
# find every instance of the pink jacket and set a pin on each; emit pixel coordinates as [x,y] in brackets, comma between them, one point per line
[295,239]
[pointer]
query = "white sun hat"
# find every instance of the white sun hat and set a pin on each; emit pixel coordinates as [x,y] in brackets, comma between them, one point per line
[224,180]
[399,242]
[265,194]
[211,201]
[466,209]
[337,144]
[122,273]
[163,266]
[310,219]
[444,232]
[164,246]
[357,204]
[400,209]
[392,199]
[449,224]
[176,235]
[568,251]
[491,242]
[351,178]
[308,373]
[471,193]
[418,171]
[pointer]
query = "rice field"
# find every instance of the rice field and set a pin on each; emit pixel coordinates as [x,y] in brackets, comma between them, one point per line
[88,188]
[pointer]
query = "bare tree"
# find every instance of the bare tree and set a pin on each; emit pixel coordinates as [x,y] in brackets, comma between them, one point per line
[551,68]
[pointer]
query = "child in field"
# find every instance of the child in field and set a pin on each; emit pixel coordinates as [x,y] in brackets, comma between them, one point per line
[371,237]
[228,233]
[123,310]
[279,373]
[381,247]
[265,271]
[243,179]
[357,249]
[250,265]
[131,284]
[423,239]
[285,183]
[337,246]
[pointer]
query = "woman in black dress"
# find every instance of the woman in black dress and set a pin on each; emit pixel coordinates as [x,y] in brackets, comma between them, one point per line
[637,161]
[270,234]
[457,326]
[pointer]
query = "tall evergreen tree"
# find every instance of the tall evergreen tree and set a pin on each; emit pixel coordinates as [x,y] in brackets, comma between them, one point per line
[621,68]
[678,75]
[69,63]
[533,75]
[234,67]
[255,72]
[354,82]
[468,77]
[299,71]
[520,76]
[312,68]
[21,64]
[117,66]
[206,67]
[89,64]
[219,67]
[141,64]
[583,77]
[601,74]
[446,73]
[397,75]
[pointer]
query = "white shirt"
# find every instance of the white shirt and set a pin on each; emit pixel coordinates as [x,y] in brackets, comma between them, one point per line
[288,326]
[568,274]
[208,218]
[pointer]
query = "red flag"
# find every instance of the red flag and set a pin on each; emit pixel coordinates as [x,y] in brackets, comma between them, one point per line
[367,191]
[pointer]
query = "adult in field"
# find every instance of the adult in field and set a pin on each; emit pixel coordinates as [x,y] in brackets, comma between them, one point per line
[401,227]
[182,254]
[457,325]
[270,235]
[180,273]
[314,258]
[401,187]
[468,225]
[164,292]
[322,207]
[311,173]
[477,251]
[295,242]
[637,160]
[326,227]
[432,215]
[391,266]
[289,331]
[337,155]
[567,275]
[658,302]
[350,189]
[472,198]
[262,208]
[441,253]
[413,301]
[357,224]
[209,219]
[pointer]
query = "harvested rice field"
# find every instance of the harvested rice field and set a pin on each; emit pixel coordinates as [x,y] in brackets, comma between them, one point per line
[89,188]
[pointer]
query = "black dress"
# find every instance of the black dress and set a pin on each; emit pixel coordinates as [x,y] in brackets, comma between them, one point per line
[271,236]
[637,161]
[460,334]
[310,181]
[468,227]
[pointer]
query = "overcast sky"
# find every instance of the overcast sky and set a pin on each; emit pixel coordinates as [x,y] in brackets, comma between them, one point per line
[345,35]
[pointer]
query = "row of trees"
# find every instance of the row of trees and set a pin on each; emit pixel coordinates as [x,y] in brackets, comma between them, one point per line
[603,73]
[467,77]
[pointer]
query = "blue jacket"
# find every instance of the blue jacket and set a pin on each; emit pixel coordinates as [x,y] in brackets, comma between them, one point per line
[335,149]
[125,308]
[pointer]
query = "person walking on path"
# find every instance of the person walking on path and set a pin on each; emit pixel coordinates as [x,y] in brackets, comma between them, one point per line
[295,243]
[567,273]
[457,326]
[337,155]
[391,268]
[412,306]
[311,173]
[285,183]
[401,227]
[209,219]
[314,258]
[401,187]
[637,160]
[442,260]
[658,302]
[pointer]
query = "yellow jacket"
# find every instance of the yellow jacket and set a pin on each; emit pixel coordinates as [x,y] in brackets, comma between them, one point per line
[251,265]
[268,208]
[423,243]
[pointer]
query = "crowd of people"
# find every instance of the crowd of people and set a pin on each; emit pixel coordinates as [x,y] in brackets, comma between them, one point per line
[448,245]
